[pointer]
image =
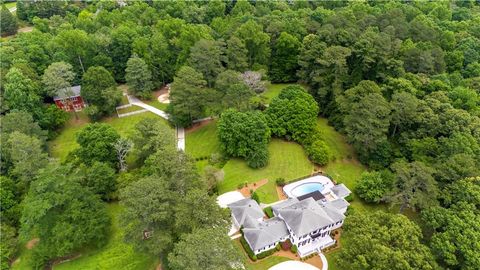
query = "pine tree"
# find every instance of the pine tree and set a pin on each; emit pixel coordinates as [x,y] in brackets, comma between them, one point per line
[9,24]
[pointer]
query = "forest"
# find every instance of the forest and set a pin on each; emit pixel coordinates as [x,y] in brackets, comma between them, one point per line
[401,80]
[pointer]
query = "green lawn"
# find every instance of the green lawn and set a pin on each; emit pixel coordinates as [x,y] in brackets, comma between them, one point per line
[132,108]
[115,255]
[65,142]
[263,264]
[336,142]
[155,103]
[10,5]
[274,89]
[287,160]
[203,142]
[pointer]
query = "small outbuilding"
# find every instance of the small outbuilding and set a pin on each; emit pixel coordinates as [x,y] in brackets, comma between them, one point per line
[70,99]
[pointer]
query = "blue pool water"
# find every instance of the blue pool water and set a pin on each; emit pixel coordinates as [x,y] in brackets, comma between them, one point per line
[306,188]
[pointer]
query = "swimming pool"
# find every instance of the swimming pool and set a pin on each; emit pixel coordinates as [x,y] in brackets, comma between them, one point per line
[306,188]
[308,185]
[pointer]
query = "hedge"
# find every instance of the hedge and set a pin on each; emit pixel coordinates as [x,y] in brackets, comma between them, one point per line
[268,211]
[247,248]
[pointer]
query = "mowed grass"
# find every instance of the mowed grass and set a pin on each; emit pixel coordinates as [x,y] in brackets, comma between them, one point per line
[116,254]
[65,142]
[336,142]
[274,90]
[287,160]
[202,142]
[263,264]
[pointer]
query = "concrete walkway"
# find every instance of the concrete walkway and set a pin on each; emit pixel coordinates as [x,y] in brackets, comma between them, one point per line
[180,131]
[324,261]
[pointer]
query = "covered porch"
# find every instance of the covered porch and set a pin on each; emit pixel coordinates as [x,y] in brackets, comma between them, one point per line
[315,246]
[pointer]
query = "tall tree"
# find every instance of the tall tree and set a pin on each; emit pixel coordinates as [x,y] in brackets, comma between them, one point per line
[187,96]
[27,156]
[62,214]
[256,42]
[151,135]
[206,56]
[366,126]
[99,178]
[58,77]
[244,135]
[138,77]
[20,92]
[292,114]
[99,90]
[97,144]
[9,23]
[414,186]
[236,54]
[284,62]
[217,251]
[382,240]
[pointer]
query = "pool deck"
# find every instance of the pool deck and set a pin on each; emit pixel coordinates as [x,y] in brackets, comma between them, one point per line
[325,181]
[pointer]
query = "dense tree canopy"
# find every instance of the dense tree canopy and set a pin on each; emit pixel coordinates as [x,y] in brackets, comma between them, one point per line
[138,77]
[293,114]
[245,135]
[97,144]
[383,241]
[9,24]
[62,214]
[399,79]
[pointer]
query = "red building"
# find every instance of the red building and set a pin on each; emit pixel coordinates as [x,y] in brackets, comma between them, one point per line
[70,100]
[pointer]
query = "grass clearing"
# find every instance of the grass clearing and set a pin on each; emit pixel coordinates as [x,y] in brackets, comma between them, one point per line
[336,142]
[10,5]
[155,103]
[287,160]
[115,255]
[65,142]
[202,142]
[274,90]
[132,108]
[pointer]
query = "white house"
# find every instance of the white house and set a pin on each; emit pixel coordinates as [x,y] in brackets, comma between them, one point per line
[306,220]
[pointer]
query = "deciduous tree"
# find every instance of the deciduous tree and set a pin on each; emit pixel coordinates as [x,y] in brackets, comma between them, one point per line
[97,144]
[64,215]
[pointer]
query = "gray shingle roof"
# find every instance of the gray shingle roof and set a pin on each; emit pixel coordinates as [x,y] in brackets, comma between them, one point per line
[341,190]
[339,203]
[267,233]
[284,204]
[75,91]
[333,212]
[246,211]
[305,217]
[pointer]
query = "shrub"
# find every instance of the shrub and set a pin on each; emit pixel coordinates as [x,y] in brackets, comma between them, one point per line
[268,211]
[319,152]
[373,186]
[255,197]
[240,186]
[266,253]
[349,198]
[247,248]
[277,247]
[286,245]
[294,249]
[280,181]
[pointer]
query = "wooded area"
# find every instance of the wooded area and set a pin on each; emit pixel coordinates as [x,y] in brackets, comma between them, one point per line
[400,79]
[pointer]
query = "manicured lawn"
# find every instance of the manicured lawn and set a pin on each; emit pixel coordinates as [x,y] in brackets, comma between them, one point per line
[203,141]
[10,5]
[287,160]
[155,103]
[65,142]
[263,264]
[132,108]
[274,89]
[115,255]
[336,142]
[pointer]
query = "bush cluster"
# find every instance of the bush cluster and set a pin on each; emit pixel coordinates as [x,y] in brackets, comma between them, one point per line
[247,248]
[268,211]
